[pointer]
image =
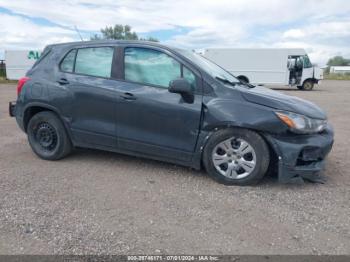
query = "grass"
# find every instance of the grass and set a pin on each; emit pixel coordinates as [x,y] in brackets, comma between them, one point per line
[3,79]
[2,73]
[333,76]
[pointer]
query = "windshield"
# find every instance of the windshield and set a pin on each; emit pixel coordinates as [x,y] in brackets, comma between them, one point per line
[211,68]
[307,62]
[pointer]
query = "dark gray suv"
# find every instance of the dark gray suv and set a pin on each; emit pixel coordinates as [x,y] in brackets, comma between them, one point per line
[153,101]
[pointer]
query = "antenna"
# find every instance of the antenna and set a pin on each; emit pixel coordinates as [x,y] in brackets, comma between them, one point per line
[76,29]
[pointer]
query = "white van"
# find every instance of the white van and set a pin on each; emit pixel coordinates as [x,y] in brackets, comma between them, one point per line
[268,66]
[18,62]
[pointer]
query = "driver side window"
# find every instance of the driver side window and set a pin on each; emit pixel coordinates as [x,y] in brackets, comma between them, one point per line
[148,66]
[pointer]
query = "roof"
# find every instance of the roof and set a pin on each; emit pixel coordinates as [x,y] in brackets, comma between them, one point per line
[341,68]
[102,42]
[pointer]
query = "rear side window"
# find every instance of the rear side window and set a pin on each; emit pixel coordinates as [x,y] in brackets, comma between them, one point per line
[43,55]
[95,61]
[67,65]
[149,66]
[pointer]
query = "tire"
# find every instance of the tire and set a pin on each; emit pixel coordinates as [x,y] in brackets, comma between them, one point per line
[308,85]
[48,137]
[259,157]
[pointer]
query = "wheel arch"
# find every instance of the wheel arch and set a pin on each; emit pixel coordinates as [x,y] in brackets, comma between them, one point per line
[313,80]
[252,136]
[227,125]
[32,109]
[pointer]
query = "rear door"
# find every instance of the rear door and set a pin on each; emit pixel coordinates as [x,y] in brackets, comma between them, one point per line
[86,73]
[150,119]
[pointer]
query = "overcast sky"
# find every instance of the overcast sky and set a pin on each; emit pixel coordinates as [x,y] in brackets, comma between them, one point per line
[321,27]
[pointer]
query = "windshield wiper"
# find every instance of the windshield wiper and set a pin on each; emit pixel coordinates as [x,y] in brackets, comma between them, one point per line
[248,85]
[224,80]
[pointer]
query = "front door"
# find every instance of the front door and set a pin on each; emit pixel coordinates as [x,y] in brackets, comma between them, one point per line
[150,119]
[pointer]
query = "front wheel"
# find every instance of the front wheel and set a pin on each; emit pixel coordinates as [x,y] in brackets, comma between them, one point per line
[48,137]
[236,156]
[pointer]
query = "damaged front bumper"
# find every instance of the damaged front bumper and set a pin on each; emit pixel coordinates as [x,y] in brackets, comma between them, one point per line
[301,156]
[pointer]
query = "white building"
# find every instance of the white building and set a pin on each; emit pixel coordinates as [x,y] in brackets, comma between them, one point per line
[339,69]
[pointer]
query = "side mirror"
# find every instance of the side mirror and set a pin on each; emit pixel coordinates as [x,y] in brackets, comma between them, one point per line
[182,87]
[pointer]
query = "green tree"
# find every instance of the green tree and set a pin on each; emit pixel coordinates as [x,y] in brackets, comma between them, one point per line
[120,32]
[337,61]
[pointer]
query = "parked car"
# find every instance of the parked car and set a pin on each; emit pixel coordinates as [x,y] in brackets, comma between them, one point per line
[153,101]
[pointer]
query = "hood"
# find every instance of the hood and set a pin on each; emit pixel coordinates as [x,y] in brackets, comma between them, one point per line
[267,97]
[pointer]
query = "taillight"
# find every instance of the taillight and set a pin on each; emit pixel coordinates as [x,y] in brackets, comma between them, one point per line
[21,83]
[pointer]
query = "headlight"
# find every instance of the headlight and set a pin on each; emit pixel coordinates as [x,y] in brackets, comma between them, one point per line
[301,124]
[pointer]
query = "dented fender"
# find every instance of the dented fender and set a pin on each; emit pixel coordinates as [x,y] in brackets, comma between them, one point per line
[299,156]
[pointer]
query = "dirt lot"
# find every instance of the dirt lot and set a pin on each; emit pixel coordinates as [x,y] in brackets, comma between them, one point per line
[96,202]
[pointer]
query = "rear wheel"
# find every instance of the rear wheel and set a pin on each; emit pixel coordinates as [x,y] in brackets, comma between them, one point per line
[236,157]
[308,85]
[48,137]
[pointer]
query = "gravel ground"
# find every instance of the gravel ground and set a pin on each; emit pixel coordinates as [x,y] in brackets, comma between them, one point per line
[97,202]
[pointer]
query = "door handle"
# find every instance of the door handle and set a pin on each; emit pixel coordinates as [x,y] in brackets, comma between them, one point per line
[128,96]
[63,81]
